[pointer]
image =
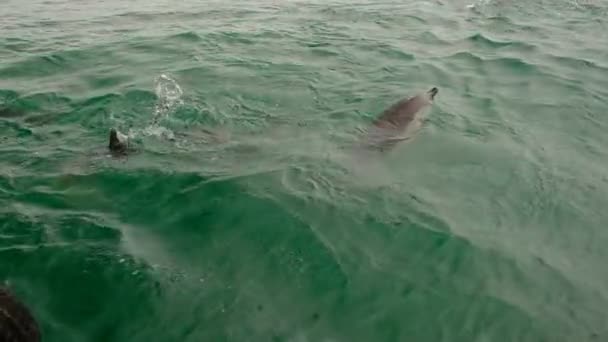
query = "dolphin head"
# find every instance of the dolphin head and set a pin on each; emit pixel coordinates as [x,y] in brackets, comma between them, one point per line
[116,143]
[113,135]
[432,92]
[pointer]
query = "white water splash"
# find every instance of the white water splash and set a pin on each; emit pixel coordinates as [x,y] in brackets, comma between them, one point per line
[159,131]
[478,3]
[169,95]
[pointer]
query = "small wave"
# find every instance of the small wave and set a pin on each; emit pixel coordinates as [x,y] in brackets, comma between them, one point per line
[36,108]
[325,52]
[187,36]
[106,81]
[231,37]
[466,57]
[16,44]
[8,112]
[577,63]
[101,100]
[58,63]
[481,40]
[430,38]
[396,53]
[510,63]
[514,64]
[501,19]
[7,96]
[39,66]
[143,16]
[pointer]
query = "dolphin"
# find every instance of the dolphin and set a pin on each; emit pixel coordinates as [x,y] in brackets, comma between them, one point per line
[398,122]
[119,143]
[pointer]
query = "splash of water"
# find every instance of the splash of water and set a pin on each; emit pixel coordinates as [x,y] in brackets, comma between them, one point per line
[478,3]
[159,131]
[169,95]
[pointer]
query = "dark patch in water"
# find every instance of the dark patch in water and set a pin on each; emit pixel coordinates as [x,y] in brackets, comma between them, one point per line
[187,36]
[16,322]
[10,112]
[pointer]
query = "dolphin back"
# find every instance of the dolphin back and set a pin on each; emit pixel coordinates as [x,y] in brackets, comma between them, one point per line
[403,112]
[389,128]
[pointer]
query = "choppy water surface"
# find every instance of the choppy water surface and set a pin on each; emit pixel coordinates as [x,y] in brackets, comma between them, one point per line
[243,217]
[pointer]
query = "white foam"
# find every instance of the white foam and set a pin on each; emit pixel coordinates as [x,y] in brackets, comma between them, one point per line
[169,95]
[159,131]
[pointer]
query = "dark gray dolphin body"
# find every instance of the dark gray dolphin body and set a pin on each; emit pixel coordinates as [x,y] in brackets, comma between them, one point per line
[399,122]
[119,143]
[17,324]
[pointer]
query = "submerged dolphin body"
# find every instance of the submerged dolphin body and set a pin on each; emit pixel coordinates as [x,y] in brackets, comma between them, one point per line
[399,122]
[121,145]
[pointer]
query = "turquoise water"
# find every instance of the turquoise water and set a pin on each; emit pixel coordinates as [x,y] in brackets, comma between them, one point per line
[242,217]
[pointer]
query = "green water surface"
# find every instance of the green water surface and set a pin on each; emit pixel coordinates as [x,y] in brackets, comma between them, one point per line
[243,217]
